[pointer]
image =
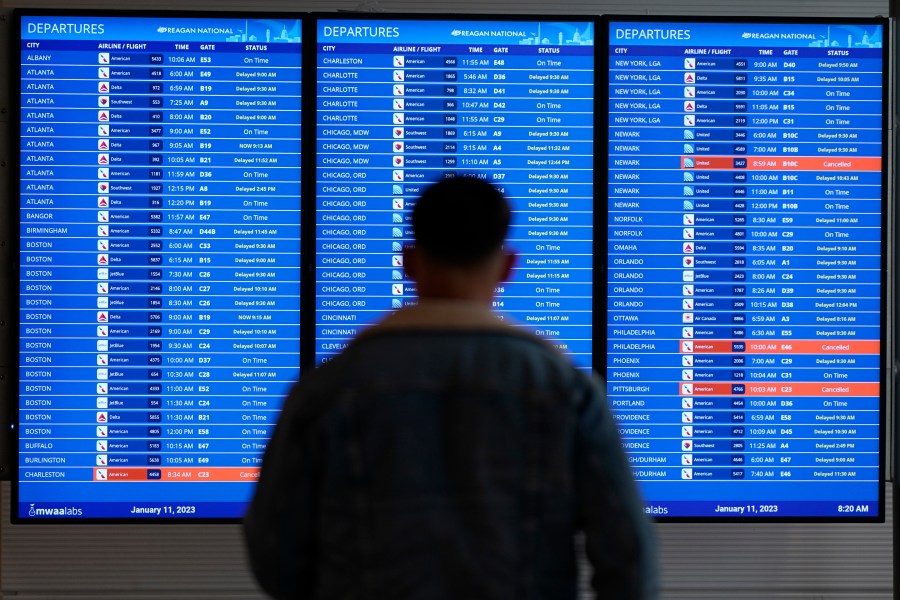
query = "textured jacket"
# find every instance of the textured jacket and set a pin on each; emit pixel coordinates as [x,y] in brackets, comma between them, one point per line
[447,455]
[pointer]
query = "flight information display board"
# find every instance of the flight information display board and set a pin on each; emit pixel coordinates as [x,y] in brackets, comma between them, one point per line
[746,183]
[159,260]
[404,103]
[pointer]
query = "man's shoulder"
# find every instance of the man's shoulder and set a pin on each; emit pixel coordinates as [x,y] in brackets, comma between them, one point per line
[395,363]
[441,342]
[507,353]
[459,321]
[508,339]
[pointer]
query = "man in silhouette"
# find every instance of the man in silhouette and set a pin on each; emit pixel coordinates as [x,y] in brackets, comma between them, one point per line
[446,454]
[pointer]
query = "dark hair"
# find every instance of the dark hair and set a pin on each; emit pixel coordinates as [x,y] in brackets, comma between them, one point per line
[461,220]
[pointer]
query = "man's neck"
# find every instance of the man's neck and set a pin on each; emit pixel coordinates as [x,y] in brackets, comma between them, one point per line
[458,285]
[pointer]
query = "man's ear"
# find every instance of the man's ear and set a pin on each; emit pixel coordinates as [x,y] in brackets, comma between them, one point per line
[410,262]
[509,261]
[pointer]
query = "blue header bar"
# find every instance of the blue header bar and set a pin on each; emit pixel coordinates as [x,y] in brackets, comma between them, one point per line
[526,33]
[166,29]
[776,35]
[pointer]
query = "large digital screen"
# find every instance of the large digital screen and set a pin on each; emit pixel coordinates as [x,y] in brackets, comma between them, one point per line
[405,102]
[159,260]
[746,264]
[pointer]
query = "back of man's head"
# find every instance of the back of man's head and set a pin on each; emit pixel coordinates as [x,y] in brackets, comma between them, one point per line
[460,221]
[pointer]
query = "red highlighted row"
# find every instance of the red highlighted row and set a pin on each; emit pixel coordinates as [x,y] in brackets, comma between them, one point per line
[787,163]
[819,389]
[781,347]
[178,474]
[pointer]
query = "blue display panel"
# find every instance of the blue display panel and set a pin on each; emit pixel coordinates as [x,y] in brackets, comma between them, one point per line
[159,260]
[403,103]
[746,265]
